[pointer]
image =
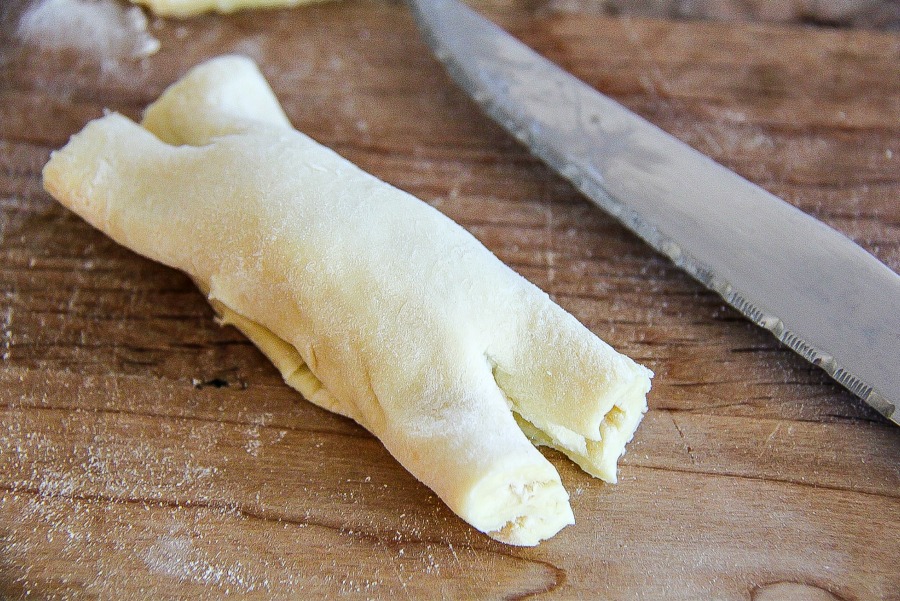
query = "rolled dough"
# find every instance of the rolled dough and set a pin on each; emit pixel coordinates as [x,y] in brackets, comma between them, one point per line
[370,302]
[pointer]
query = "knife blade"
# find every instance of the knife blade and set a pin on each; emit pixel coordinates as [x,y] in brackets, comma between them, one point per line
[817,291]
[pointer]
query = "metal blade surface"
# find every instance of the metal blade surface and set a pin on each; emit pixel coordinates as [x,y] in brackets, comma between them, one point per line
[812,287]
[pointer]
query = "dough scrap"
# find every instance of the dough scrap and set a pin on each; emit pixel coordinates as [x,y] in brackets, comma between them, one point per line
[370,302]
[188,8]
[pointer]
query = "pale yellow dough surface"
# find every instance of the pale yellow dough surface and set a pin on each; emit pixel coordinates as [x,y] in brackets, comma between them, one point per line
[190,8]
[370,302]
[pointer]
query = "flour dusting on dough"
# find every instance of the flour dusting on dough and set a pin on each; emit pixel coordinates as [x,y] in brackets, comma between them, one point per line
[104,29]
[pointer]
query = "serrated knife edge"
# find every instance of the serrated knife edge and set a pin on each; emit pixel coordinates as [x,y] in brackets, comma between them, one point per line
[879,388]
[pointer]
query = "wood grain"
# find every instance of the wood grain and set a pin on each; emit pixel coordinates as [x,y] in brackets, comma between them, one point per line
[829,13]
[146,452]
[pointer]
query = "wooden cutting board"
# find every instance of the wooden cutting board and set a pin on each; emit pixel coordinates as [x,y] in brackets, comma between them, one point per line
[145,452]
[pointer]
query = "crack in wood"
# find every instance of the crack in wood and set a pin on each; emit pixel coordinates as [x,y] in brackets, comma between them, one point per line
[787,481]
[362,434]
[684,441]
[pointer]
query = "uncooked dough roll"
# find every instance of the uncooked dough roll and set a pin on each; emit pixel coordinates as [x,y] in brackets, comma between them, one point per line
[370,302]
[190,8]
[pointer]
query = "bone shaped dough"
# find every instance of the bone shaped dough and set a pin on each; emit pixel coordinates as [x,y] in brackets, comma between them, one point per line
[370,302]
[189,8]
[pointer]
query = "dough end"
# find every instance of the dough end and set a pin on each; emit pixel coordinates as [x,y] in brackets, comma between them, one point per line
[520,508]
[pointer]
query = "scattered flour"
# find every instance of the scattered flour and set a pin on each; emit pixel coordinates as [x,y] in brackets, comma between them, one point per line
[176,556]
[253,442]
[104,29]
[258,436]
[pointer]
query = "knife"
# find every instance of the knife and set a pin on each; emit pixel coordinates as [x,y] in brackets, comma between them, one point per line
[821,294]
